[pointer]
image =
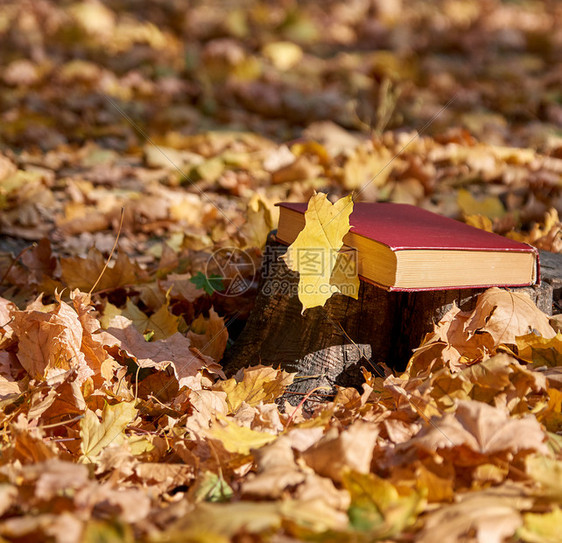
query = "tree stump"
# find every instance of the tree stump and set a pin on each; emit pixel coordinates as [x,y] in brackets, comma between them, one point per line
[327,346]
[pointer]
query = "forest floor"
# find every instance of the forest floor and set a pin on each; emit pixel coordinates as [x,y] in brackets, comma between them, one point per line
[174,128]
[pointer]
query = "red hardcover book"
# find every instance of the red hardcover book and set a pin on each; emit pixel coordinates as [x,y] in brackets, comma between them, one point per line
[403,247]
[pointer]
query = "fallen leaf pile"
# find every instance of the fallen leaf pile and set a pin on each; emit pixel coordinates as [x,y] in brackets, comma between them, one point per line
[176,128]
[110,435]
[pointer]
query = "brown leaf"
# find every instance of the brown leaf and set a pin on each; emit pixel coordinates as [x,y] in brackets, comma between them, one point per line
[207,405]
[504,315]
[130,504]
[493,514]
[39,261]
[210,335]
[181,287]
[61,527]
[55,476]
[82,273]
[92,344]
[337,451]
[6,330]
[28,444]
[174,351]
[160,477]
[277,470]
[301,169]
[50,342]
[477,429]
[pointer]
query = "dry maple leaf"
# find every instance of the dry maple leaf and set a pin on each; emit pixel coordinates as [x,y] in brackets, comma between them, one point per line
[96,435]
[82,273]
[336,451]
[254,385]
[174,351]
[161,323]
[277,470]
[477,429]
[238,439]
[50,341]
[131,504]
[493,514]
[210,335]
[500,316]
[379,507]
[504,315]
[206,405]
[92,343]
[6,331]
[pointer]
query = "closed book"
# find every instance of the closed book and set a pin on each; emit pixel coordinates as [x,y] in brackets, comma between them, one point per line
[404,247]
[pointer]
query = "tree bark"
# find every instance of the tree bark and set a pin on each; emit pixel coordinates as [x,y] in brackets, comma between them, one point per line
[329,345]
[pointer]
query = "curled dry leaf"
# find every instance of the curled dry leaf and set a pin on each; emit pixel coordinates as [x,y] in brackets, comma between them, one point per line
[209,336]
[175,351]
[337,451]
[82,273]
[277,470]
[477,429]
[493,514]
[500,316]
[504,315]
[50,341]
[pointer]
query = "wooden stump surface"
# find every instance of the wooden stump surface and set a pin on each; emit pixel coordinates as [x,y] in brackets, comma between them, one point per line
[328,345]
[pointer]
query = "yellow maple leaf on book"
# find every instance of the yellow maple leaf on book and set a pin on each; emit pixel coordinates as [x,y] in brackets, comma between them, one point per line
[316,253]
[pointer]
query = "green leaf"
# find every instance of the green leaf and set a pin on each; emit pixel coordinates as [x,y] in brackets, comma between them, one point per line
[212,488]
[212,283]
[377,506]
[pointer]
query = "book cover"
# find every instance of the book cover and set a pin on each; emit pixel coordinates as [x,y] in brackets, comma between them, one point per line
[404,227]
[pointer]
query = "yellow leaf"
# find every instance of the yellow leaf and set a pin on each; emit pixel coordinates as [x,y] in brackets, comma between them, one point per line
[109,312]
[238,439]
[539,528]
[344,275]
[284,55]
[258,384]
[551,415]
[380,507]
[479,221]
[96,435]
[490,207]
[314,253]
[365,167]
[261,219]
[541,351]
[162,323]
[547,472]
[219,522]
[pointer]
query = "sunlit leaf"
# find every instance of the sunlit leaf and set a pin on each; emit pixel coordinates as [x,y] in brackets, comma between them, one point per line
[96,435]
[315,251]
